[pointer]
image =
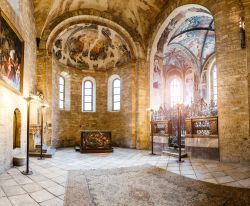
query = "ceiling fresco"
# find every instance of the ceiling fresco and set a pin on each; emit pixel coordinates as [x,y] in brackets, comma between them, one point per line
[177,58]
[136,14]
[91,47]
[193,30]
[195,22]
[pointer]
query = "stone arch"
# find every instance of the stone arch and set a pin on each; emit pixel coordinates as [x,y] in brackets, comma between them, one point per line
[17,129]
[168,30]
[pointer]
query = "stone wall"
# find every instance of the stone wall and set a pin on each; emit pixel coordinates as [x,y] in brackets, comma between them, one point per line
[23,21]
[67,124]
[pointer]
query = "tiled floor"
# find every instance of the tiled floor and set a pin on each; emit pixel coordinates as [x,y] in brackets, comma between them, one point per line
[46,186]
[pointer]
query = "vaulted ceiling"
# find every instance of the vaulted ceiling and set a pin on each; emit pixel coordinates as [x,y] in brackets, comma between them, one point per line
[138,15]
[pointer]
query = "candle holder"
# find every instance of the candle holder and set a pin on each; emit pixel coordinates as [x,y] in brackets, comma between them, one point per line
[43,107]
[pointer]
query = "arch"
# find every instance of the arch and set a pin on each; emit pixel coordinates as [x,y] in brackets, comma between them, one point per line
[172,41]
[60,23]
[91,95]
[110,92]
[17,129]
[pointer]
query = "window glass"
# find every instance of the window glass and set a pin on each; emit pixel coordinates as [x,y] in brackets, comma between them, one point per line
[116,95]
[61,92]
[88,95]
[175,92]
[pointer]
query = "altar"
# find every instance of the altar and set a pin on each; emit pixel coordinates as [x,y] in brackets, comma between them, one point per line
[96,141]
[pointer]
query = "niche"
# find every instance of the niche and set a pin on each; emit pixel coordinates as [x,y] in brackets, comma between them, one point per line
[17,129]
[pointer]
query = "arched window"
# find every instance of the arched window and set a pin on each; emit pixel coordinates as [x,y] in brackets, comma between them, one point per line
[214,84]
[88,95]
[61,92]
[116,94]
[175,92]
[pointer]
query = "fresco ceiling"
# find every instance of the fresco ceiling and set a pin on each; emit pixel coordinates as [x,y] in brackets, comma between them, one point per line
[137,15]
[91,47]
[193,30]
[177,57]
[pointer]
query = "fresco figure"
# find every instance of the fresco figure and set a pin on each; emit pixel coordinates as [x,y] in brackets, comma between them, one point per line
[189,88]
[157,75]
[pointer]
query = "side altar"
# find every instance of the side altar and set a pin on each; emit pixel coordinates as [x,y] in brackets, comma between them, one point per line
[95,141]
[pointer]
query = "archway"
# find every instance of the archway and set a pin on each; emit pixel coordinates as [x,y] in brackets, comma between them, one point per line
[185,45]
[17,129]
[183,49]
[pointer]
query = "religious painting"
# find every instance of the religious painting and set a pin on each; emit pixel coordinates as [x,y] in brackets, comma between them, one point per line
[11,55]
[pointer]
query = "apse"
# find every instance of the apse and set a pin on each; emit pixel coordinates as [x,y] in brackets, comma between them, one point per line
[91,47]
[183,54]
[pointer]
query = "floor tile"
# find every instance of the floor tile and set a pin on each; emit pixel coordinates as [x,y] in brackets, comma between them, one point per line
[47,183]
[32,187]
[23,200]
[41,196]
[57,190]
[245,183]
[225,179]
[218,174]
[52,202]
[211,180]
[9,182]
[13,190]
[4,201]
[204,176]
[2,194]
[233,184]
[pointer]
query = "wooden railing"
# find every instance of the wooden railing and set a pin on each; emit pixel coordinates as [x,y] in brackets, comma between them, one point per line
[198,127]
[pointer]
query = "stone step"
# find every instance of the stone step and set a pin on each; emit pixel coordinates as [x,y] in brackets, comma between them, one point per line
[174,152]
[48,154]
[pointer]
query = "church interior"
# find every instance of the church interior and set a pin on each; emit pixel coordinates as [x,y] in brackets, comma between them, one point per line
[136,102]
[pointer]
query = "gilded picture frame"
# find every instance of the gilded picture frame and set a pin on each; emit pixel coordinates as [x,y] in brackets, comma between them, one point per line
[11,55]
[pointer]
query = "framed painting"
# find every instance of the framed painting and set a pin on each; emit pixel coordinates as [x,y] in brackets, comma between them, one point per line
[11,55]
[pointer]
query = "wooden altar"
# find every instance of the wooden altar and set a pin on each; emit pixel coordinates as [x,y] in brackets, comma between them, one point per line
[95,141]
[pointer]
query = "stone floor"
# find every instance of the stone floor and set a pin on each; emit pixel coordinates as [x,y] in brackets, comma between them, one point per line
[46,186]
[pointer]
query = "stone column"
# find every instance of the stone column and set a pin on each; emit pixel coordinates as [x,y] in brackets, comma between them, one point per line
[134,105]
[142,104]
[44,85]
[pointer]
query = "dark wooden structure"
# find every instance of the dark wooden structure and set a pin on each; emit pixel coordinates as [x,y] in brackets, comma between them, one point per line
[161,127]
[160,133]
[94,141]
